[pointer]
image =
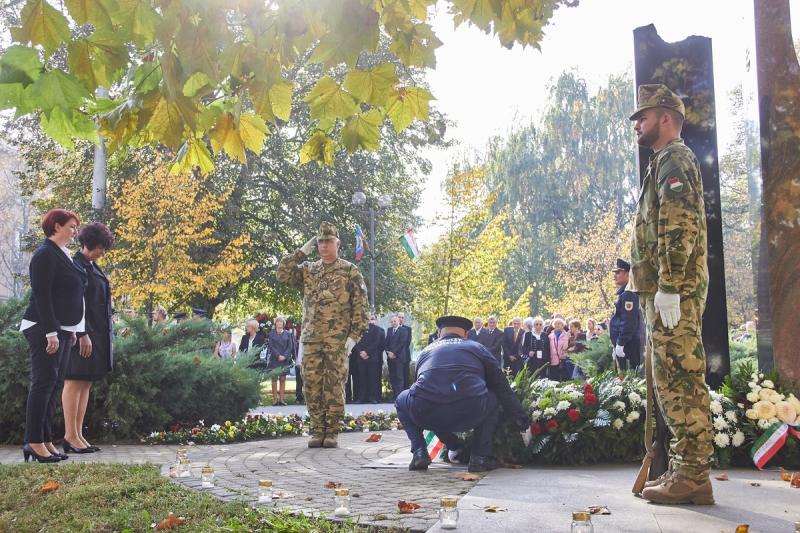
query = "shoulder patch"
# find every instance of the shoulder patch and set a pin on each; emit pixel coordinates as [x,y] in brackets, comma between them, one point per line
[675,184]
[629,306]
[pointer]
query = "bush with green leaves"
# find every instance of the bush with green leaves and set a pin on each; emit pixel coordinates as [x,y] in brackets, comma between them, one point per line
[164,375]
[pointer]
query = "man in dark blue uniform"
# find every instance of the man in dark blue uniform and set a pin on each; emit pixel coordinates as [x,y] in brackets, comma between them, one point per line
[369,361]
[459,387]
[624,325]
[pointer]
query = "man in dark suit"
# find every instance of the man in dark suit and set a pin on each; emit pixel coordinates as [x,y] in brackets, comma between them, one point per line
[401,316]
[396,353]
[624,325]
[477,331]
[369,363]
[512,346]
[433,336]
[493,339]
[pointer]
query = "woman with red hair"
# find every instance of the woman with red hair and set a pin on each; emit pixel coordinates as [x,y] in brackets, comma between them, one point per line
[54,316]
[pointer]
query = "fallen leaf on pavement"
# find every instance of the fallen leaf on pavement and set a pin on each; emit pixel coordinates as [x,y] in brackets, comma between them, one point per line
[598,509]
[786,476]
[50,486]
[469,477]
[375,437]
[170,522]
[493,509]
[407,507]
[755,484]
[721,477]
[332,485]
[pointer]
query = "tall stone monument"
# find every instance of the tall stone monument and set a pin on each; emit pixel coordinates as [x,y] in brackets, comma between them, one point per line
[686,67]
[779,258]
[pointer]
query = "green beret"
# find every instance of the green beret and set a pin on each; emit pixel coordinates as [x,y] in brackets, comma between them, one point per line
[658,95]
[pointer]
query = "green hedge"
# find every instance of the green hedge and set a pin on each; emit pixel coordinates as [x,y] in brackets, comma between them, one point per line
[162,376]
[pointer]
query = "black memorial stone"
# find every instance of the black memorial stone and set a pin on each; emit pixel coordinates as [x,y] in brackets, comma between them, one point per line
[686,67]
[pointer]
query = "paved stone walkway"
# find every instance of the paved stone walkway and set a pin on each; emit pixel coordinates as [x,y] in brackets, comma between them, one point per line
[303,472]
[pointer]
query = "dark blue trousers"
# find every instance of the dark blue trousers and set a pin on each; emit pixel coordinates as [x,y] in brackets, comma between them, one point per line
[47,376]
[479,414]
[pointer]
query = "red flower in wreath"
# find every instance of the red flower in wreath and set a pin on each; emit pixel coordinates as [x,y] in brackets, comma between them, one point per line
[573,415]
[536,428]
[590,398]
[587,387]
[551,424]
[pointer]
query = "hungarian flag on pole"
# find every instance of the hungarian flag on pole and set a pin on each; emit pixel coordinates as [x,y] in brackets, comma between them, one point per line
[433,443]
[359,243]
[771,441]
[410,244]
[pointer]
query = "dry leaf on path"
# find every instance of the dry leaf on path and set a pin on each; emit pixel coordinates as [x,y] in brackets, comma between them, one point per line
[721,477]
[50,486]
[170,522]
[407,507]
[494,509]
[755,484]
[375,437]
[598,509]
[786,476]
[468,477]
[332,485]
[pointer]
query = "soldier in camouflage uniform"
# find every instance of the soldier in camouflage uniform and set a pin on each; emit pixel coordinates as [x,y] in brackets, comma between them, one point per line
[670,274]
[334,319]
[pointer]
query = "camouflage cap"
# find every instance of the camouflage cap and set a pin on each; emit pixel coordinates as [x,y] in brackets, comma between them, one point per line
[327,231]
[658,95]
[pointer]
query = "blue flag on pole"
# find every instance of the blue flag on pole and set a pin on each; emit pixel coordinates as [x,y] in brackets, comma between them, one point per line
[359,243]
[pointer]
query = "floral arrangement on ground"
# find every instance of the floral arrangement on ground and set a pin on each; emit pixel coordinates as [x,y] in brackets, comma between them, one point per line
[259,427]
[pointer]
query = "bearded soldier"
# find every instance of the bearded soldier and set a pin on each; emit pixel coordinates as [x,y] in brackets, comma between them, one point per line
[670,273]
[334,319]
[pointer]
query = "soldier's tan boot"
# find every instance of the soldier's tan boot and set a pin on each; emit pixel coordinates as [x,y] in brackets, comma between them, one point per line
[331,441]
[659,480]
[316,441]
[680,490]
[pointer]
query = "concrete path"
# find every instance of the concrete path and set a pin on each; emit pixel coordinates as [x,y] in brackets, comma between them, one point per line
[355,409]
[536,499]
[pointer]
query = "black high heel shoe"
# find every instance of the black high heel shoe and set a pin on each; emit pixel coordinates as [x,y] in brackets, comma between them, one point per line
[94,448]
[27,452]
[69,448]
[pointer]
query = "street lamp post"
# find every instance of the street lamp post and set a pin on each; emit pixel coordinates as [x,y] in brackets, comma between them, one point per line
[359,201]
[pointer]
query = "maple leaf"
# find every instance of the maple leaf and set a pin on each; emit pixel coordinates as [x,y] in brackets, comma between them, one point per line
[407,104]
[94,12]
[170,522]
[328,102]
[375,437]
[95,59]
[362,131]
[168,119]
[138,18]
[332,485]
[58,89]
[193,153]
[49,486]
[20,64]
[416,46]
[721,477]
[407,507]
[373,86]
[318,148]
[63,128]
[42,24]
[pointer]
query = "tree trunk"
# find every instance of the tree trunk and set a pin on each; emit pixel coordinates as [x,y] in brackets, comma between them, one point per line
[779,105]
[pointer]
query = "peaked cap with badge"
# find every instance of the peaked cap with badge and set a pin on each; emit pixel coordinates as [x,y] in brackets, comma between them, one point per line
[327,231]
[621,264]
[657,95]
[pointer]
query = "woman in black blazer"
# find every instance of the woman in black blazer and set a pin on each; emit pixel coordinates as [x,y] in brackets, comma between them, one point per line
[92,358]
[54,315]
[536,346]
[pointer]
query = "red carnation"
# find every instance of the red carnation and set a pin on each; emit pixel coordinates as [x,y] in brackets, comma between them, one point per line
[573,415]
[551,424]
[590,398]
[536,428]
[587,387]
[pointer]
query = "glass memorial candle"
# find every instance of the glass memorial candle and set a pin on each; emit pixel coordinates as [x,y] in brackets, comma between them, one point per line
[184,468]
[448,512]
[207,477]
[341,502]
[264,491]
[582,522]
[181,453]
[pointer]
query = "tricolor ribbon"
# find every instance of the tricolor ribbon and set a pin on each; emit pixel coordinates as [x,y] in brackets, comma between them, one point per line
[771,441]
[433,444]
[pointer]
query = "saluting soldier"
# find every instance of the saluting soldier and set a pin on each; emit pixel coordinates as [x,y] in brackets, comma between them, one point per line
[334,319]
[624,325]
[670,273]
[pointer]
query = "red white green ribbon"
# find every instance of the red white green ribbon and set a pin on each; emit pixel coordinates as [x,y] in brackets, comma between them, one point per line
[433,444]
[771,441]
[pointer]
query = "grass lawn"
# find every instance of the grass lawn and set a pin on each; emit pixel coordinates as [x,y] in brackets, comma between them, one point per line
[105,498]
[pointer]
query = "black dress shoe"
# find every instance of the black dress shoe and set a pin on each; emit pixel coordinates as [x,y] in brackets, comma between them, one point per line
[481,463]
[94,448]
[69,448]
[28,452]
[420,461]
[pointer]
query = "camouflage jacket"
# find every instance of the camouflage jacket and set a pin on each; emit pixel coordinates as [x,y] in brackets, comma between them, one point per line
[670,237]
[334,297]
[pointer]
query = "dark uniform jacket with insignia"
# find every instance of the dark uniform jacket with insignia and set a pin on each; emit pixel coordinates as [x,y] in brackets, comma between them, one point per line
[624,325]
[453,369]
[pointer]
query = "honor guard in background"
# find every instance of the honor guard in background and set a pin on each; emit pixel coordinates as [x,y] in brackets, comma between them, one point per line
[459,387]
[624,325]
[334,319]
[670,274]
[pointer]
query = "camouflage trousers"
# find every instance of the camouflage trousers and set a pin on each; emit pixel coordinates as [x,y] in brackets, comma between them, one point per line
[679,366]
[324,369]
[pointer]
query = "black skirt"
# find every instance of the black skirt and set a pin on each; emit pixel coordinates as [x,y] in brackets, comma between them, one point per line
[94,367]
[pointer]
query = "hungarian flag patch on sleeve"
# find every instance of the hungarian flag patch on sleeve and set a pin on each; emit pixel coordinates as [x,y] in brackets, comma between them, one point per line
[675,184]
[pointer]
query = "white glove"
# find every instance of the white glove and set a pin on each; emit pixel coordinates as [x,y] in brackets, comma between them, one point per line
[527,436]
[308,247]
[349,344]
[619,351]
[669,307]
